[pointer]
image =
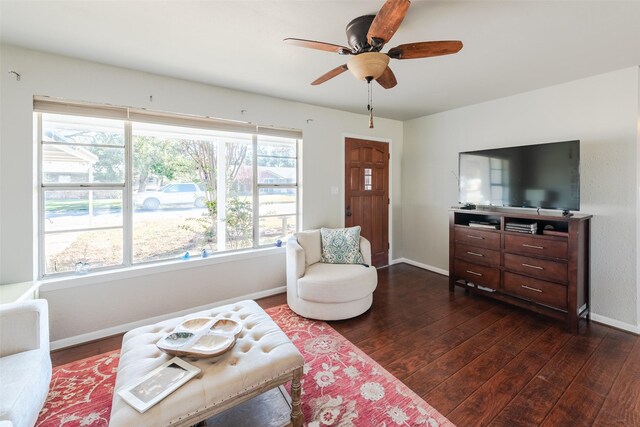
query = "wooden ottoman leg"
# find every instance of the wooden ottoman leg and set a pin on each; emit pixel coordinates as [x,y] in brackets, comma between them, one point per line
[296,410]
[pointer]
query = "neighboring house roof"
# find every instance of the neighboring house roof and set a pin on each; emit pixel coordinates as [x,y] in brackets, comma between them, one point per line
[265,173]
[65,159]
[63,153]
[288,174]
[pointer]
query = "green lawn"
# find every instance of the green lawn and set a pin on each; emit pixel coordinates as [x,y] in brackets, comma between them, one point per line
[80,204]
[277,198]
[83,204]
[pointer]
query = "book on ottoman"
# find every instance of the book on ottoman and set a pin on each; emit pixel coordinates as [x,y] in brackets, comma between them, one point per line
[158,384]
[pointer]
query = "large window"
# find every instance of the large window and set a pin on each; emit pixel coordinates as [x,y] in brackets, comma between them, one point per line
[120,187]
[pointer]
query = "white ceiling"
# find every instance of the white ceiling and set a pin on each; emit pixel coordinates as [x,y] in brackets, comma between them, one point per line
[509,46]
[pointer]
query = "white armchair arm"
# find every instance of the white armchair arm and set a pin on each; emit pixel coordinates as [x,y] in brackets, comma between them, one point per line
[295,268]
[24,326]
[25,363]
[295,260]
[365,250]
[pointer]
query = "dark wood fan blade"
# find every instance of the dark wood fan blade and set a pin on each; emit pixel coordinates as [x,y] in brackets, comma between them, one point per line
[329,75]
[387,21]
[425,49]
[387,80]
[312,44]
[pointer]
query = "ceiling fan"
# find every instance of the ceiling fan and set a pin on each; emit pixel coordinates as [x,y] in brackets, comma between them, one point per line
[366,36]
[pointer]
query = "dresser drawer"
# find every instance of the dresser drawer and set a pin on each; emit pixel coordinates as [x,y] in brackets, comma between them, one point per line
[477,254]
[538,268]
[535,246]
[478,274]
[536,290]
[472,236]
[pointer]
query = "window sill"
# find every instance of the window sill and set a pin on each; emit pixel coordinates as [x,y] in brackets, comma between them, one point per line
[74,281]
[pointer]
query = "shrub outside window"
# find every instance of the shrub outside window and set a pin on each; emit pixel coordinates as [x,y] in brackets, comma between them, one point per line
[120,187]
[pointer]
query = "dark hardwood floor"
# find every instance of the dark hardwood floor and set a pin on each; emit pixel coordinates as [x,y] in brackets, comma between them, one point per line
[481,362]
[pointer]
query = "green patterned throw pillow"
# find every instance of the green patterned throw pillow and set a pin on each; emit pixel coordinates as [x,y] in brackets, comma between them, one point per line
[341,245]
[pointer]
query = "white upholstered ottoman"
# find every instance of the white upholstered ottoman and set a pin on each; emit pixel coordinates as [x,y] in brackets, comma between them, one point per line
[262,358]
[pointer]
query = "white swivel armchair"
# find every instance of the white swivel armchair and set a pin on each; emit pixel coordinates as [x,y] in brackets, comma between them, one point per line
[25,362]
[327,291]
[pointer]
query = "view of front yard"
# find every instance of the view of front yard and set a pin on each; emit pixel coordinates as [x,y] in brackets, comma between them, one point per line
[157,235]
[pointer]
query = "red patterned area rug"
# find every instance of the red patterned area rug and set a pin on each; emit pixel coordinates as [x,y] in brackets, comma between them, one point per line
[341,385]
[80,393]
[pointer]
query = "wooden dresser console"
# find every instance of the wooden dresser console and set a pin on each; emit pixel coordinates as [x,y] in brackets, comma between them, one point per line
[539,262]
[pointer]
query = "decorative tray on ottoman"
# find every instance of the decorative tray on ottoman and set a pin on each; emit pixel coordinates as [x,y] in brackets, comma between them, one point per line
[201,337]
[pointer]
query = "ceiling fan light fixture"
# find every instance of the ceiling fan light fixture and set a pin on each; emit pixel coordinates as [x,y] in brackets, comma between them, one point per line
[368,64]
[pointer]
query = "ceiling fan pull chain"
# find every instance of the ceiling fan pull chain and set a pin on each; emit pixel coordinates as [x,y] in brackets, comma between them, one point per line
[370,104]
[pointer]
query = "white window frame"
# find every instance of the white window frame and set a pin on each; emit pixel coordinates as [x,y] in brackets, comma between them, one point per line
[88,186]
[130,116]
[257,187]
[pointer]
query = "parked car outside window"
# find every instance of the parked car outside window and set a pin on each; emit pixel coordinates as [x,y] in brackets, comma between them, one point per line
[171,195]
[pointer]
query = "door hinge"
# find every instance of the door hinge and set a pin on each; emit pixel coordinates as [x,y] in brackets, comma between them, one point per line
[388,200]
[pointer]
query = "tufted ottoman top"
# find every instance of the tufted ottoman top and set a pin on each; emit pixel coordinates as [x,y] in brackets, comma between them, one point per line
[261,354]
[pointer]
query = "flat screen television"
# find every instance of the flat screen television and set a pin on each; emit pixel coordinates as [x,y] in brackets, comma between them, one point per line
[545,176]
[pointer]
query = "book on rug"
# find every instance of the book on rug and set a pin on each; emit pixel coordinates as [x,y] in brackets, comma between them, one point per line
[158,384]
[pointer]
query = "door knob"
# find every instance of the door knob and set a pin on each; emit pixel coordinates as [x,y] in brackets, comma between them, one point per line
[348,212]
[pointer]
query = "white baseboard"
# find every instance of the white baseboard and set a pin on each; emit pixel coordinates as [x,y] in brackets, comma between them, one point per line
[421,265]
[103,333]
[615,323]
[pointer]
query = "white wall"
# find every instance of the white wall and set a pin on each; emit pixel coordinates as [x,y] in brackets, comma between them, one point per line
[602,112]
[77,310]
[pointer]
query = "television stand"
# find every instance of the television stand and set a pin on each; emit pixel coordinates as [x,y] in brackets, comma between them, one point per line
[538,262]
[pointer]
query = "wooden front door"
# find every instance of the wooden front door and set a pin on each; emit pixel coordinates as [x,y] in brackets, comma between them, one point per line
[367,194]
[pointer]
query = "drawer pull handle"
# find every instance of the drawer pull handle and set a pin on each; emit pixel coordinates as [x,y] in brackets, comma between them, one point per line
[531,289]
[532,246]
[474,253]
[474,273]
[475,237]
[532,266]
